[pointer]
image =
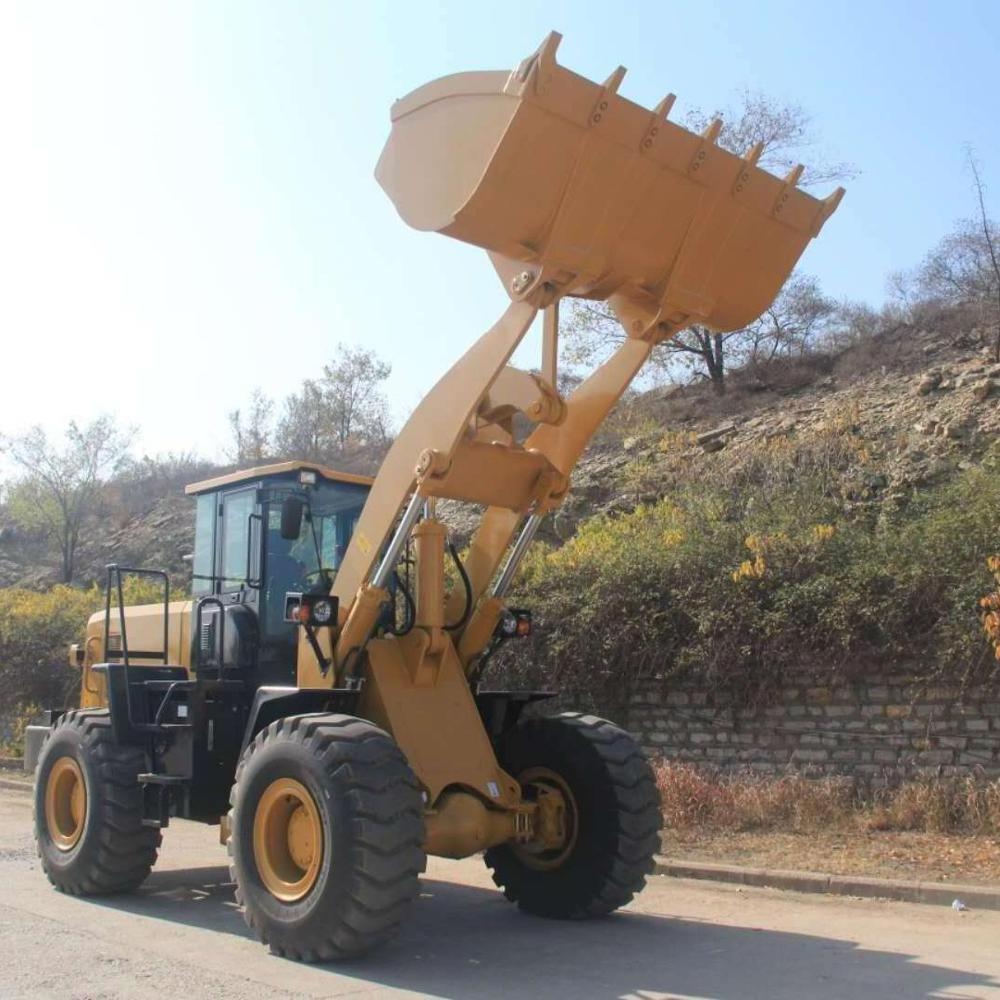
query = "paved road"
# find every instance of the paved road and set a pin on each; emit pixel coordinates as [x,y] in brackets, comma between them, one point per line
[181,936]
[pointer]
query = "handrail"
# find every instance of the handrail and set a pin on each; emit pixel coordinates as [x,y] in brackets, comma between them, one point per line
[115,573]
[199,609]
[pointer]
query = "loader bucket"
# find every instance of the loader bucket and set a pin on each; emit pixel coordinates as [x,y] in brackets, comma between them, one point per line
[602,198]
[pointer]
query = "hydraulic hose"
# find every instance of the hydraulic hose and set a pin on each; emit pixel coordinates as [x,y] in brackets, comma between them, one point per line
[468,591]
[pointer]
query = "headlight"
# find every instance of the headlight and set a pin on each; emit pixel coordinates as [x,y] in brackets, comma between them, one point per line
[515,623]
[311,609]
[322,611]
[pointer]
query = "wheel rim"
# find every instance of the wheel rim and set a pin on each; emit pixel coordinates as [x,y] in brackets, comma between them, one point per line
[541,780]
[287,839]
[65,803]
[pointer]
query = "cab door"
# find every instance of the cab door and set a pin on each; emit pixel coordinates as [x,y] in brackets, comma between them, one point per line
[239,547]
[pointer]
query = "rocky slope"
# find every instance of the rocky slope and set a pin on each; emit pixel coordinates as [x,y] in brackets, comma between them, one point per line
[925,402]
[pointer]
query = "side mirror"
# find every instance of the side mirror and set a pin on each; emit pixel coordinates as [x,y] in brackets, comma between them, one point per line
[291,517]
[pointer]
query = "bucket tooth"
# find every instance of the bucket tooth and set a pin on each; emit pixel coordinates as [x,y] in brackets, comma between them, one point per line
[543,57]
[712,132]
[613,82]
[794,174]
[608,89]
[662,110]
[657,117]
[754,154]
[547,50]
[826,208]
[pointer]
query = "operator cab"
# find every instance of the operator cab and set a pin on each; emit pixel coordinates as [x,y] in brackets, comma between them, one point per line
[249,560]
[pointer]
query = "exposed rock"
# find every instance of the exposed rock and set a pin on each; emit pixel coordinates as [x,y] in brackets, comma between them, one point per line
[713,444]
[717,432]
[927,384]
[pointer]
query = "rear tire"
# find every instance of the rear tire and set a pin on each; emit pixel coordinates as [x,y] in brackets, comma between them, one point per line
[88,809]
[615,825]
[326,833]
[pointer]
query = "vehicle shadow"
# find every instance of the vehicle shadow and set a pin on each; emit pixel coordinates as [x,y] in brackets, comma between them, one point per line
[467,943]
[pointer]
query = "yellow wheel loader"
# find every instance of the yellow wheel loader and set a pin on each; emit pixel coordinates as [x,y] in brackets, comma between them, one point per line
[321,696]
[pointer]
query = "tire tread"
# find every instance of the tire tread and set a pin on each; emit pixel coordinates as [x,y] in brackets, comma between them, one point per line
[386,822]
[125,849]
[633,836]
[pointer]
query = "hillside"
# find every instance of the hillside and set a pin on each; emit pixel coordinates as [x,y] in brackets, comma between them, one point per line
[920,403]
[923,402]
[156,534]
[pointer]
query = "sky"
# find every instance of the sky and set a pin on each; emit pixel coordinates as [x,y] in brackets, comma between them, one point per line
[188,208]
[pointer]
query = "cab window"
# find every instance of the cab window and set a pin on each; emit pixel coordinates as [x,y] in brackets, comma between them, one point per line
[203,564]
[237,509]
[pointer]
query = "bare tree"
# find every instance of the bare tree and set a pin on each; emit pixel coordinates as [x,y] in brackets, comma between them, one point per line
[785,131]
[251,429]
[989,233]
[61,486]
[959,268]
[799,316]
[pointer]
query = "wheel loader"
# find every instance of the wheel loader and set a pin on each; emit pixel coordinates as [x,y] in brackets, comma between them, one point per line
[323,695]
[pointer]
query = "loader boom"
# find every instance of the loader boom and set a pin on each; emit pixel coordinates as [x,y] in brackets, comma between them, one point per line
[574,191]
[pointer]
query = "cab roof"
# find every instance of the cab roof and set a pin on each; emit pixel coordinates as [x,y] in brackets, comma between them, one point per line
[258,472]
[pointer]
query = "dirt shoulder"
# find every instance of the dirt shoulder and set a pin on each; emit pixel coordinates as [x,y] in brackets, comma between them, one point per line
[927,857]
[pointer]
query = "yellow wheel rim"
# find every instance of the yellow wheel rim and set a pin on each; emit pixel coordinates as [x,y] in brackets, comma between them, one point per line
[541,780]
[287,839]
[65,803]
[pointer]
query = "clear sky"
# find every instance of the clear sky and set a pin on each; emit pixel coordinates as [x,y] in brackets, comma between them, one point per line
[187,206]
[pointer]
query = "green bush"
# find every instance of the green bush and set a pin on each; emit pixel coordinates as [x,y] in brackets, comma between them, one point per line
[36,629]
[782,562]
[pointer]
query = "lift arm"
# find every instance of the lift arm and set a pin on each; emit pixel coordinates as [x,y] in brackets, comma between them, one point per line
[573,191]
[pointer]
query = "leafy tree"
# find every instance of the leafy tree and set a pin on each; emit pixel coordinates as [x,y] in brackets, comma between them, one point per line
[304,427]
[340,413]
[785,131]
[62,486]
[353,389]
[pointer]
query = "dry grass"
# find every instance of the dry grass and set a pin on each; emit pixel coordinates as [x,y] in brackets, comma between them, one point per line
[933,857]
[694,799]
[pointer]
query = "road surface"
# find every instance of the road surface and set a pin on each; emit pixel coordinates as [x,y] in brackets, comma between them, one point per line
[182,936]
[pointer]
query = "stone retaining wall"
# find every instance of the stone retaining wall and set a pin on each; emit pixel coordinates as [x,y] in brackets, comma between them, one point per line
[880,728]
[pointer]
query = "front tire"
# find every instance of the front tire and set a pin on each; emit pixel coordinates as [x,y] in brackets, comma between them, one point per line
[613,825]
[326,829]
[88,809]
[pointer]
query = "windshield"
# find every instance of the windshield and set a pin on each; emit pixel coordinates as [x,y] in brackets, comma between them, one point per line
[296,565]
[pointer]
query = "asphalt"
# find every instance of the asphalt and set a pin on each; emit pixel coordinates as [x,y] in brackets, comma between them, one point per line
[182,936]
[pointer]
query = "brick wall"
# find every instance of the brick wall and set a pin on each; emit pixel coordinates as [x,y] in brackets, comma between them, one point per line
[878,728]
